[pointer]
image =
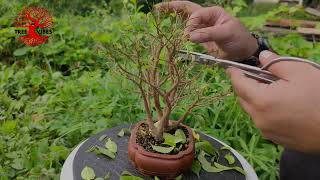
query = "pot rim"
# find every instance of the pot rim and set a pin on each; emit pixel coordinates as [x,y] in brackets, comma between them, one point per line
[180,155]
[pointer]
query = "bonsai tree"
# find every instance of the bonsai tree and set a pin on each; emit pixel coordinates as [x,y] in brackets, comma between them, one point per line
[147,54]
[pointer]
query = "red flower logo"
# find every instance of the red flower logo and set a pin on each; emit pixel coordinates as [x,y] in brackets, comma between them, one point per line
[34,24]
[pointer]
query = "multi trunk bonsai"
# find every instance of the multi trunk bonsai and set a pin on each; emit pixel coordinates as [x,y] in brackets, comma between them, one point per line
[147,55]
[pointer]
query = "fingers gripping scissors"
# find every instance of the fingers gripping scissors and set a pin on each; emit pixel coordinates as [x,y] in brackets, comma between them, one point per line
[258,73]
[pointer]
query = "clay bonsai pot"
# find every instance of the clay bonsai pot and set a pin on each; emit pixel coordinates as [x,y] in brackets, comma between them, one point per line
[160,165]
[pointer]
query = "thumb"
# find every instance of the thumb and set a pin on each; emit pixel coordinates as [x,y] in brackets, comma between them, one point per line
[283,70]
[246,88]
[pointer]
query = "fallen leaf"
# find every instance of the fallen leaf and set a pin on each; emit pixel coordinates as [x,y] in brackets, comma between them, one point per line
[196,167]
[181,136]
[229,158]
[206,147]
[164,150]
[101,138]
[111,146]
[126,175]
[121,133]
[87,173]
[106,152]
[196,136]
[107,176]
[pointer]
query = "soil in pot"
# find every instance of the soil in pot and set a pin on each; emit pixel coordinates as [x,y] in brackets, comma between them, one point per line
[146,140]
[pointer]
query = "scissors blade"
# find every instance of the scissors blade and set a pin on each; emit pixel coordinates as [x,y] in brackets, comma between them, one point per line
[197,57]
[251,71]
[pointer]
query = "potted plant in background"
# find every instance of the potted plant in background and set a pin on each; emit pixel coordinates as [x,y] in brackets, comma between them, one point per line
[147,55]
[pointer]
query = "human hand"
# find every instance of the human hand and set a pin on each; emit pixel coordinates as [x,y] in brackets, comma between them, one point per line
[219,32]
[288,110]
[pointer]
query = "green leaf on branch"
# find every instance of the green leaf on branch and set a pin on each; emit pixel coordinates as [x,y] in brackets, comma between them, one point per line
[111,146]
[164,150]
[87,173]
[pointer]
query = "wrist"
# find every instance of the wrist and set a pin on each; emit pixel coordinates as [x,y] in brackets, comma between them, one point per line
[260,45]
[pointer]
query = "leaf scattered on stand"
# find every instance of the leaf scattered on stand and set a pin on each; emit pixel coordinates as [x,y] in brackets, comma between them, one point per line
[196,136]
[224,168]
[206,147]
[107,176]
[164,150]
[156,178]
[101,138]
[111,146]
[205,164]
[225,148]
[229,158]
[91,149]
[121,133]
[196,167]
[179,177]
[126,175]
[87,173]
[104,151]
[124,131]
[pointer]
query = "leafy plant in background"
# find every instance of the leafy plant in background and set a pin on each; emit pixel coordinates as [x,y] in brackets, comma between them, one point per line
[43,114]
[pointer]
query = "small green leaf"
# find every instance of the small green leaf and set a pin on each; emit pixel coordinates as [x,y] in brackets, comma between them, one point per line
[156,178]
[106,152]
[206,147]
[180,135]
[87,173]
[101,138]
[169,139]
[229,158]
[225,148]
[121,133]
[107,176]
[126,175]
[21,51]
[164,150]
[91,149]
[196,136]
[111,146]
[196,167]
[99,178]
[224,168]
[206,165]
[124,131]
[179,177]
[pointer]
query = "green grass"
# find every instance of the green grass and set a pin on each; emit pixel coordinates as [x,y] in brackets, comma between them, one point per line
[45,114]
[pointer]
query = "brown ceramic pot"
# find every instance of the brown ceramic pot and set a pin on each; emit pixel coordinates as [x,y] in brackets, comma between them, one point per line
[161,165]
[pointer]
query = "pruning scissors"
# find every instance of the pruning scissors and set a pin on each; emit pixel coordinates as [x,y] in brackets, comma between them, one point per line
[260,74]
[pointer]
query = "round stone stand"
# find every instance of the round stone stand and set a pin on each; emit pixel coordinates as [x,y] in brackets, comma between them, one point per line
[80,157]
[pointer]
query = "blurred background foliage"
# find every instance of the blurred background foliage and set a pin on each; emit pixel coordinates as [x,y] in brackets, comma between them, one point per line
[55,95]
